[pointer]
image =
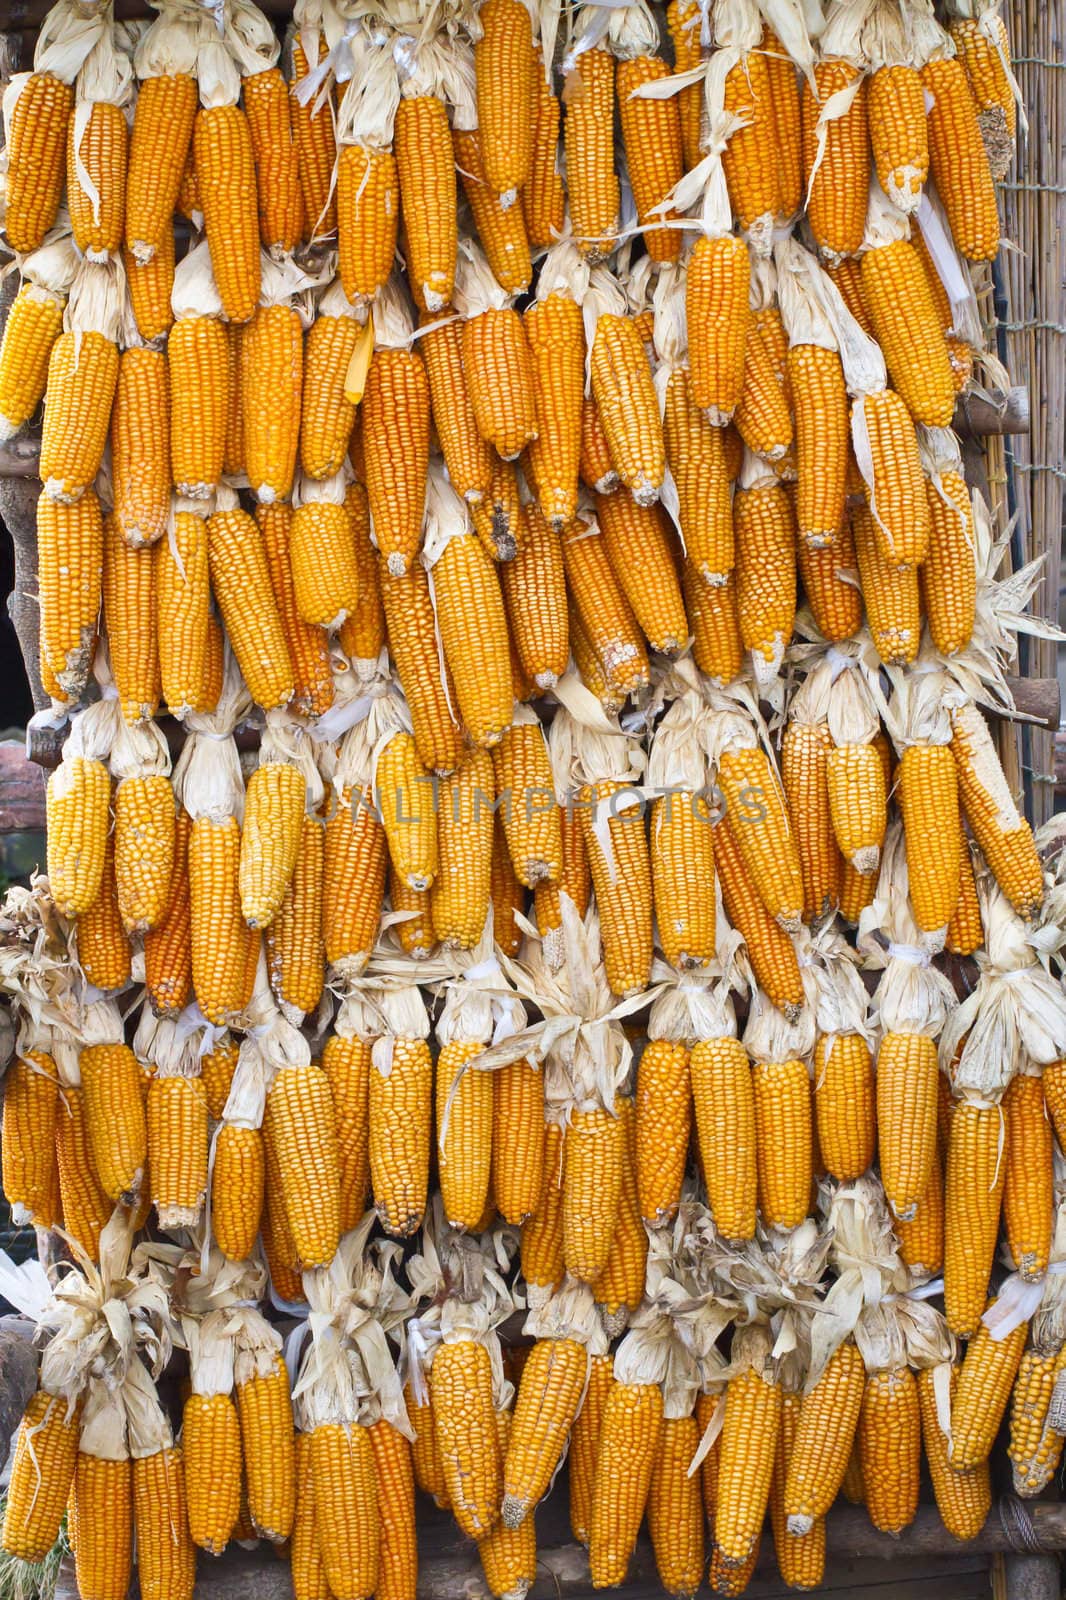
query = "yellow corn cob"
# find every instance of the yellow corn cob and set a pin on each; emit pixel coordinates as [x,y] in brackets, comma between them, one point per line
[604,610]
[129,617]
[857,802]
[31,1105]
[82,374]
[984,49]
[426,170]
[959,161]
[891,1448]
[464,1149]
[308,1570]
[675,1511]
[316,149]
[574,880]
[346,1063]
[498,367]
[750,157]
[198,357]
[280,202]
[898,136]
[588,135]
[237,1189]
[835,604]
[595,468]
[504,64]
[771,951]
[394,1477]
[144,850]
[353,880]
[168,947]
[556,345]
[906,1118]
[651,133]
[302,1129]
[396,409]
[86,1208]
[949,573]
[820,410]
[70,573]
[529,812]
[166,1557]
[76,811]
[898,502]
[828,1420]
[584,1444]
[805,754]
[642,555]
[467,455]
[760,825]
[114,1114]
[177,1150]
[430,694]
[928,798]
[663,1126]
[543,196]
[716,304]
[747,1448]
[682,865]
[324,571]
[906,326]
[784,92]
[307,643]
[346,1508]
[97,229]
[517,1178]
[683,24]
[1035,1448]
[620,1286]
[271,383]
[264,1409]
[890,595]
[592,1187]
[800,1557]
[104,1494]
[182,601]
[1005,837]
[159,147]
[400,1115]
[473,632]
[783,1141]
[501,229]
[219,935]
[497,517]
[368,215]
[549,1395]
[625,398]
[763,416]
[694,451]
[542,1233]
[270,839]
[626,1451]
[623,886]
[766,573]
[225,175]
[844,1104]
[140,446]
[33,325]
[725,1128]
[241,582]
[36,146]
[717,647]
[921,1241]
[327,415]
[836,204]
[460,1383]
[1027,1199]
[103,948]
[42,1475]
[985,1381]
[150,287]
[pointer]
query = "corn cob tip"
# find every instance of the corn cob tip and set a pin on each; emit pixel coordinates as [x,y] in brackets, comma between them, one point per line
[867,860]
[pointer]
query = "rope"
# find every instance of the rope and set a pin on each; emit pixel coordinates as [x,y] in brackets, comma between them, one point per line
[1018,1527]
[1039,61]
[1033,327]
[1035,188]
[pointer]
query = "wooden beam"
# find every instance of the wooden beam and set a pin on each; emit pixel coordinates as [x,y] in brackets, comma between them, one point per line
[1038,700]
[978,416]
[449,1565]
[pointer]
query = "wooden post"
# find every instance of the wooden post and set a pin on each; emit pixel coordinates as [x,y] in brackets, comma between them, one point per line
[1032,1577]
